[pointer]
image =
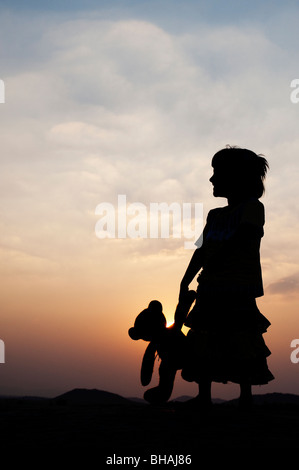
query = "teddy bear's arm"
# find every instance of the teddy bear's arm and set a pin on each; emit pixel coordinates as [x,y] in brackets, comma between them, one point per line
[148,362]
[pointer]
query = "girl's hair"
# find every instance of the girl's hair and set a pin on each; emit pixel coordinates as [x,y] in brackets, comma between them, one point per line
[248,169]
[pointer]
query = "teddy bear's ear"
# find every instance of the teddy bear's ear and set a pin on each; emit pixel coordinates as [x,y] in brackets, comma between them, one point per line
[155,305]
[133,334]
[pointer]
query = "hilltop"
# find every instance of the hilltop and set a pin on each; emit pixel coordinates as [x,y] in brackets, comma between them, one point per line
[91,397]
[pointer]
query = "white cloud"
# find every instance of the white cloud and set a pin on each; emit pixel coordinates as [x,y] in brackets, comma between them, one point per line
[285,286]
[124,107]
[99,108]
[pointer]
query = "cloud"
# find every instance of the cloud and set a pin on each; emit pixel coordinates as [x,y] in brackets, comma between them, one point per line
[286,286]
[126,107]
[99,107]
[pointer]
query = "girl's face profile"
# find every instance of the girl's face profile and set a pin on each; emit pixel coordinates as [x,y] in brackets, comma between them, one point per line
[222,182]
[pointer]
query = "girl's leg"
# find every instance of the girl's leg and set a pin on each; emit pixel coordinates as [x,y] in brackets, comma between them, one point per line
[203,400]
[245,400]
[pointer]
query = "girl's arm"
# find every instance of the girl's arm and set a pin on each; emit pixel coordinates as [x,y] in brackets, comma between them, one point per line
[196,261]
[194,266]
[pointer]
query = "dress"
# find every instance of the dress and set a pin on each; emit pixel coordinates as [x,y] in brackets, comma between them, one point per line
[225,340]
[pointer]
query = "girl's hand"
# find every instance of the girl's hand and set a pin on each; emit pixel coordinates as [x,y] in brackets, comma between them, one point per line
[183,291]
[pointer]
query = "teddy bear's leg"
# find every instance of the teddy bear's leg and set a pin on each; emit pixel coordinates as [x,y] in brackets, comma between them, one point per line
[163,391]
[147,365]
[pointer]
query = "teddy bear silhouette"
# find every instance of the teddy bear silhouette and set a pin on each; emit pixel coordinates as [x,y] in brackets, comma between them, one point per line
[169,343]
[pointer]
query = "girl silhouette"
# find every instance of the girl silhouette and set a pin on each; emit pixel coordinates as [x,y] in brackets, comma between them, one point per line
[226,327]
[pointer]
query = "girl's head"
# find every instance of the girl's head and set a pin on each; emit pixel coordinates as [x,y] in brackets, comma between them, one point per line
[238,173]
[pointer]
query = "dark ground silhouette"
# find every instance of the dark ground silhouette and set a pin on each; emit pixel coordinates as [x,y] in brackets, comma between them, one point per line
[79,425]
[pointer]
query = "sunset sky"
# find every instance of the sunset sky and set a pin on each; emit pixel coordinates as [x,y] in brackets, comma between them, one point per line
[109,98]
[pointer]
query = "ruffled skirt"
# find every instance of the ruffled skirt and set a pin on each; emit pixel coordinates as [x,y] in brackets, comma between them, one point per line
[225,342]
